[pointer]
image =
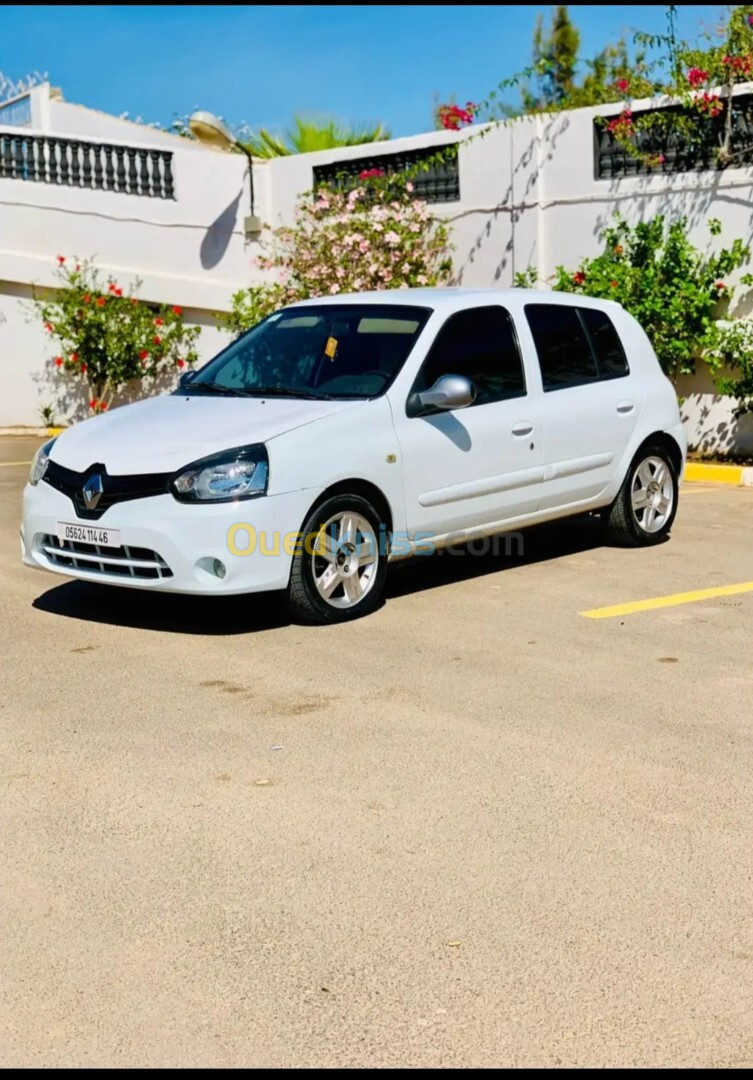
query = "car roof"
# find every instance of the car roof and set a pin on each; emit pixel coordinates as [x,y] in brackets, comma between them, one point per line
[457,298]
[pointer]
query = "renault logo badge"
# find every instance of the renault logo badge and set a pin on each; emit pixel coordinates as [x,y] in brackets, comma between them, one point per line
[92,491]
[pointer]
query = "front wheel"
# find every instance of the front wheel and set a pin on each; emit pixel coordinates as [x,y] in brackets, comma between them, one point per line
[340,566]
[645,507]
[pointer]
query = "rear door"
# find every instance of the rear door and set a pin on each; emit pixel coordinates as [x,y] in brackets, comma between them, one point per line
[590,403]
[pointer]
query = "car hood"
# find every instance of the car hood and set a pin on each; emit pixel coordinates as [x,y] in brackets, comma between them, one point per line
[165,433]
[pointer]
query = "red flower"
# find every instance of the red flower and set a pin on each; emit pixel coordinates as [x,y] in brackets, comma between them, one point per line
[177,311]
[49,327]
[61,259]
[579,277]
[180,363]
[86,298]
[118,292]
[78,267]
[369,174]
[452,116]
[697,77]
[143,354]
[84,369]
[622,85]
[74,357]
[157,340]
[750,20]
[158,322]
[58,361]
[103,406]
[134,300]
[101,301]
[613,284]
[720,285]
[93,403]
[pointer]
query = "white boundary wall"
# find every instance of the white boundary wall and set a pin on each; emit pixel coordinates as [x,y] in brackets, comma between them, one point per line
[528,197]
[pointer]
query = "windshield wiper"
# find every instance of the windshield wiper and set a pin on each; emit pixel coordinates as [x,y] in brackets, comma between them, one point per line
[215,388]
[287,391]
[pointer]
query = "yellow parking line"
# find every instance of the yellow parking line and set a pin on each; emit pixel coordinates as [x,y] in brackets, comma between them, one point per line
[667,601]
[8,464]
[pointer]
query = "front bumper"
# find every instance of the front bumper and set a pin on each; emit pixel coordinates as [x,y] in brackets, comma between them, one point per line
[186,537]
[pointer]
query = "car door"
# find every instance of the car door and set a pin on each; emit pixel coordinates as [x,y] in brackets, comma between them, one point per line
[590,404]
[479,465]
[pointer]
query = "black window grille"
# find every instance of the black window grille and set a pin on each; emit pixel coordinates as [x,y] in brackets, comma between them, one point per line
[127,170]
[435,180]
[693,150]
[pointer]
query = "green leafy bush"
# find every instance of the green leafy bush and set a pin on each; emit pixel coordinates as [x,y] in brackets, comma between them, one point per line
[107,337]
[674,290]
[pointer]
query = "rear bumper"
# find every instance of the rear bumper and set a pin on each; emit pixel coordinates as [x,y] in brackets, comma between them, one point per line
[252,539]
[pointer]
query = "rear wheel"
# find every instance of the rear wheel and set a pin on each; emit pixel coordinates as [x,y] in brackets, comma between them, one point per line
[643,512]
[340,571]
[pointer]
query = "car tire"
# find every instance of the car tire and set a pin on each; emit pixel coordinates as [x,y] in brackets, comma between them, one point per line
[339,567]
[645,507]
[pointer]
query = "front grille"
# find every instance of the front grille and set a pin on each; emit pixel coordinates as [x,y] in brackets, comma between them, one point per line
[125,561]
[115,488]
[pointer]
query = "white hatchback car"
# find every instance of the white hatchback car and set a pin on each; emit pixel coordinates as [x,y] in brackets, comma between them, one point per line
[341,433]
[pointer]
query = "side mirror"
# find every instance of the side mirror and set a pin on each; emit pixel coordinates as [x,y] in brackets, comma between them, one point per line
[186,378]
[449,392]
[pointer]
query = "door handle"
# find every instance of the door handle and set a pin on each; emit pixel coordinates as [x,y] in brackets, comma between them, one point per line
[525,427]
[625,406]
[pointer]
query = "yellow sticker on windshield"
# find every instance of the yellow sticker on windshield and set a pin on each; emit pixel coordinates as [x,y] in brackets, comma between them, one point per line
[330,348]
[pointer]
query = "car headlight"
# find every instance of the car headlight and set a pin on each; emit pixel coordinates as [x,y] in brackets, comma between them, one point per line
[40,462]
[241,473]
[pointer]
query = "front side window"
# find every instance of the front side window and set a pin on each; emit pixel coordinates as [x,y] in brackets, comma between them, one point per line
[321,351]
[564,351]
[481,344]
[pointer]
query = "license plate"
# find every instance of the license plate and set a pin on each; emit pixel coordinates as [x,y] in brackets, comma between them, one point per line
[88,534]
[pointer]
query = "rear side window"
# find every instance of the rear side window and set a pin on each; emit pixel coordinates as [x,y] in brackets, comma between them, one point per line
[564,351]
[606,343]
[481,344]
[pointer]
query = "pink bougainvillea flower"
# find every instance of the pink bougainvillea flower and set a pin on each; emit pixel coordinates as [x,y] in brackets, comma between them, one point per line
[369,174]
[622,85]
[579,277]
[697,76]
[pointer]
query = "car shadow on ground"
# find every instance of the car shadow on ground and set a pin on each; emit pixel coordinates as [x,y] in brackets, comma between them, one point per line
[253,613]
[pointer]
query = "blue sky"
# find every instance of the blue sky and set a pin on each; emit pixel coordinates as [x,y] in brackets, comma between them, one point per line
[261,64]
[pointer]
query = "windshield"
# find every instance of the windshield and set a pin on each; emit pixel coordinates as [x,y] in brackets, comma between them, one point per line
[327,351]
